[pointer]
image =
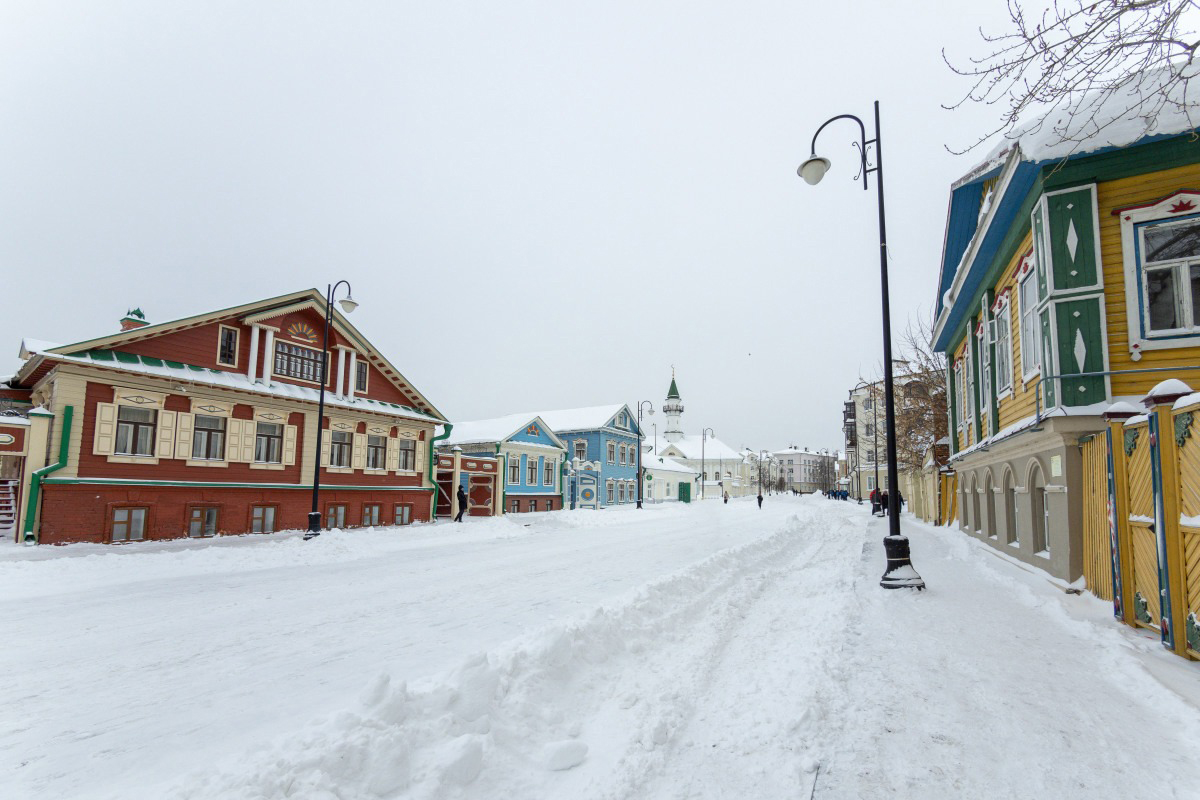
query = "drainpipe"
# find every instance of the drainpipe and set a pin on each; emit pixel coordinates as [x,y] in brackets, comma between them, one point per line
[433,474]
[35,480]
[502,469]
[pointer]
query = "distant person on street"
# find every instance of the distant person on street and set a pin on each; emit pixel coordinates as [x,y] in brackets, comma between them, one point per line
[874,502]
[727,498]
[462,504]
[883,502]
[760,499]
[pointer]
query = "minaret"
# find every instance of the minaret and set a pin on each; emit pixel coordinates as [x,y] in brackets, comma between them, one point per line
[673,408]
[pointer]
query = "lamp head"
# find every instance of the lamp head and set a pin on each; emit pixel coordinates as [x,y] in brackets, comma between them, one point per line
[813,169]
[348,304]
[650,411]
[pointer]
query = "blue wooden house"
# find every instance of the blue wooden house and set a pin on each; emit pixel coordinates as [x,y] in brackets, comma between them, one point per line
[607,436]
[531,458]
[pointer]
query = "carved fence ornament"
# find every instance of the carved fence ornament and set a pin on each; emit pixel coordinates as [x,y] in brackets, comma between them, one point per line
[1183,428]
[1131,437]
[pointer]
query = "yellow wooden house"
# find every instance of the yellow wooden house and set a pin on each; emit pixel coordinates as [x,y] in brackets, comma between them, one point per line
[1069,310]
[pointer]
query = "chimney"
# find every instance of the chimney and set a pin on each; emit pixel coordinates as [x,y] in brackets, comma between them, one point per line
[133,319]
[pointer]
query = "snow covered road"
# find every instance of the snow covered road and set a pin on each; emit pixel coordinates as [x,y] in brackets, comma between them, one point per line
[705,651]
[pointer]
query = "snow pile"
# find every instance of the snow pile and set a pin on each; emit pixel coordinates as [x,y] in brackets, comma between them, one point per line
[516,711]
[35,572]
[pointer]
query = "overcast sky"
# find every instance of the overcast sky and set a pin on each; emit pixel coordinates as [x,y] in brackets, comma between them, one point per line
[539,204]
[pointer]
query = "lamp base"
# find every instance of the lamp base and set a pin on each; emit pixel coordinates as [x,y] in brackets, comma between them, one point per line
[899,573]
[314,525]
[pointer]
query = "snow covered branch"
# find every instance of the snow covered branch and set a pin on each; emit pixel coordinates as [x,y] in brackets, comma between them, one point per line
[1132,58]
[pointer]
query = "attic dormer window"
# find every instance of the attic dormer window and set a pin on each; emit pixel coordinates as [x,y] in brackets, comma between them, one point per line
[360,376]
[227,346]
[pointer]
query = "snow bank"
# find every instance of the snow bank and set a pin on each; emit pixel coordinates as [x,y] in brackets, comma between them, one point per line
[507,710]
[31,572]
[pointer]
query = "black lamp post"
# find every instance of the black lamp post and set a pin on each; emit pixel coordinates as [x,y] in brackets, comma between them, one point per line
[640,477]
[704,434]
[348,305]
[899,572]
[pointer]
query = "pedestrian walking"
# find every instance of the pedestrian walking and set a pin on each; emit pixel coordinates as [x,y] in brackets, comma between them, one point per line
[462,504]
[883,501]
[760,499]
[874,502]
[727,498]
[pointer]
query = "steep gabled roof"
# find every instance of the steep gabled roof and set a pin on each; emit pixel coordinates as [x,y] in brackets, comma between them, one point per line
[258,310]
[497,429]
[587,419]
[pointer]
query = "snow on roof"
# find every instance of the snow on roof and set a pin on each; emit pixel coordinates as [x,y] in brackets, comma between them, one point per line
[579,419]
[496,429]
[187,373]
[1102,119]
[690,447]
[663,464]
[31,346]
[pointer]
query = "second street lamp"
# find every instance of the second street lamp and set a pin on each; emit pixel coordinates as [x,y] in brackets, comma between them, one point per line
[899,572]
[348,305]
[640,477]
[704,434]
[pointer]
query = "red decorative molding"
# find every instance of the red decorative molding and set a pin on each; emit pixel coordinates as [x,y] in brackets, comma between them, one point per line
[1181,206]
[1191,193]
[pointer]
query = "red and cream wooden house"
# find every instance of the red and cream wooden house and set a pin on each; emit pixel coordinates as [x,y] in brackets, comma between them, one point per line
[205,425]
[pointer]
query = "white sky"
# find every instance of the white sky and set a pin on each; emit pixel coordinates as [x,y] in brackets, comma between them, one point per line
[539,204]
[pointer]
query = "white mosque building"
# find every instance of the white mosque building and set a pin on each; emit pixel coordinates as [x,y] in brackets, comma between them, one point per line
[722,469]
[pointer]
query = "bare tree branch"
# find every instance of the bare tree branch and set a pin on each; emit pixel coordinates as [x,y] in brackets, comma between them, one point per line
[1134,58]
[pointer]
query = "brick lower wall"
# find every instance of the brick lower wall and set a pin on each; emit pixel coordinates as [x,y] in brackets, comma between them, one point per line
[83,513]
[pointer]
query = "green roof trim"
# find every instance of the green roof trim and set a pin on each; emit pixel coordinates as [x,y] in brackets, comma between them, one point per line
[673,392]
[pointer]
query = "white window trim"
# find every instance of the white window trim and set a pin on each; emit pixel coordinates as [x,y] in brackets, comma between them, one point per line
[1183,293]
[361,363]
[237,345]
[511,460]
[1024,275]
[1130,239]
[1004,312]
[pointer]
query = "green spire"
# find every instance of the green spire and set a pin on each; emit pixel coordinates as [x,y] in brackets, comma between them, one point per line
[673,392]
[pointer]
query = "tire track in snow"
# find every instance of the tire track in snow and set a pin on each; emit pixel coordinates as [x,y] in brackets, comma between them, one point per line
[755,728]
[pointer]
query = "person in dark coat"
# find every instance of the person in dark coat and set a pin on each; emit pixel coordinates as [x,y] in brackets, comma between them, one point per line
[874,501]
[760,499]
[883,501]
[462,504]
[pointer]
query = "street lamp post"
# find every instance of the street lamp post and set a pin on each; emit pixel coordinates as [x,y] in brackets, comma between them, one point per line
[640,477]
[348,305]
[704,434]
[899,572]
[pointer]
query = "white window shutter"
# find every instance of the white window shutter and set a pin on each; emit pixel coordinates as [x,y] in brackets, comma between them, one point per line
[233,439]
[289,444]
[358,459]
[325,448]
[106,429]
[249,437]
[420,457]
[393,454]
[166,434]
[183,434]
